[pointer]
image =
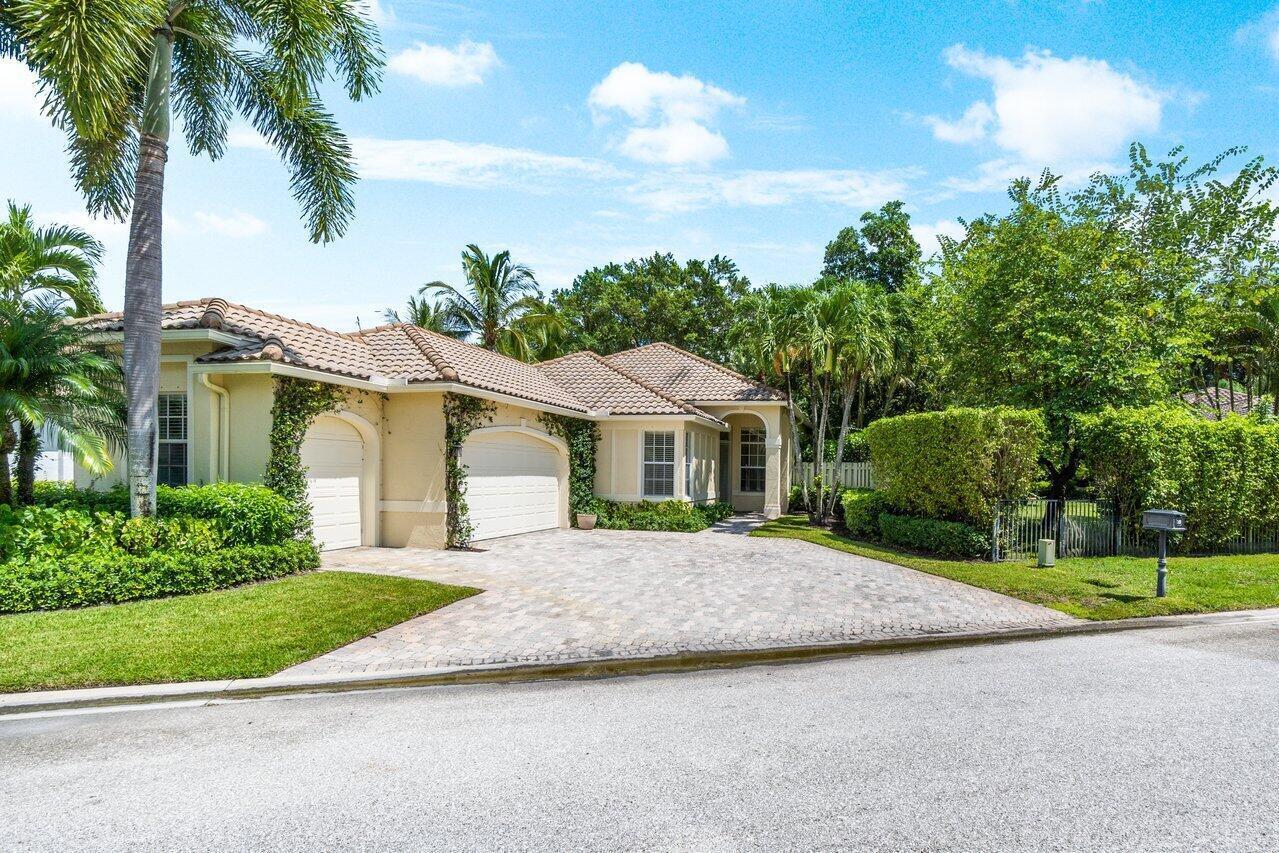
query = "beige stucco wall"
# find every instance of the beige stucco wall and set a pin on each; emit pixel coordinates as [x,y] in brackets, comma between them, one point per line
[772,501]
[620,455]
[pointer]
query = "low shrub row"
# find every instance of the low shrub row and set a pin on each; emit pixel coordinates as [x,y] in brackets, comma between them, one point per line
[78,580]
[247,514]
[39,533]
[862,510]
[943,538]
[676,516]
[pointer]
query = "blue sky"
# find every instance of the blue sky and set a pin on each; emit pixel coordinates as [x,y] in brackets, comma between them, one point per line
[579,133]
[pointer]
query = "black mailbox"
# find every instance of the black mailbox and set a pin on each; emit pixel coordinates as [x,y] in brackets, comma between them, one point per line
[1164,519]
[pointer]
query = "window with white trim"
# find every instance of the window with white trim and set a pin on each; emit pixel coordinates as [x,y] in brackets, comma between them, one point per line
[754,457]
[171,422]
[659,464]
[688,464]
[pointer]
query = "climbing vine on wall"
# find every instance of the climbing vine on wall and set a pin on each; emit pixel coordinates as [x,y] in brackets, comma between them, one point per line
[462,414]
[297,404]
[582,437]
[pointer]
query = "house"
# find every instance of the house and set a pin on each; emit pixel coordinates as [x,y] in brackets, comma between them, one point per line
[673,425]
[1215,403]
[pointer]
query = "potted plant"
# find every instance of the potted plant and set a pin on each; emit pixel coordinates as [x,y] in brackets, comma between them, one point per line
[586,520]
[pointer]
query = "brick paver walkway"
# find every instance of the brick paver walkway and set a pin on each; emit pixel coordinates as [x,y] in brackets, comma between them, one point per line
[568,595]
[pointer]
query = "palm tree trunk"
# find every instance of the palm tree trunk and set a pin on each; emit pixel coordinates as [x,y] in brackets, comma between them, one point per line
[794,440]
[28,450]
[8,441]
[142,284]
[853,382]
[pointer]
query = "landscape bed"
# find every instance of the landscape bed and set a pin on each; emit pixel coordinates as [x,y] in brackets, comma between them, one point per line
[1090,588]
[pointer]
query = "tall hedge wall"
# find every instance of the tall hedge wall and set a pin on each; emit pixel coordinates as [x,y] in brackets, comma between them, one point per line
[1223,474]
[955,464]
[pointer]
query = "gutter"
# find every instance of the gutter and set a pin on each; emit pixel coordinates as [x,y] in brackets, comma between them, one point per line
[223,465]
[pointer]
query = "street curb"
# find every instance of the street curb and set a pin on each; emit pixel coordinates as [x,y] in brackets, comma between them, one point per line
[17,704]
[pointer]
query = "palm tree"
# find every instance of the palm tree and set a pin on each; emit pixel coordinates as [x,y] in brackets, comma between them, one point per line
[500,306]
[1262,322]
[432,314]
[51,375]
[113,73]
[56,260]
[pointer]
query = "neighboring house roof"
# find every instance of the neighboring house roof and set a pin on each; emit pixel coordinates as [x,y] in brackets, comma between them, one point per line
[601,384]
[1220,401]
[658,379]
[691,377]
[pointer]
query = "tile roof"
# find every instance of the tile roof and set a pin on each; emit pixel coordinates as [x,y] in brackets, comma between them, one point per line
[657,379]
[601,384]
[691,377]
[1220,401]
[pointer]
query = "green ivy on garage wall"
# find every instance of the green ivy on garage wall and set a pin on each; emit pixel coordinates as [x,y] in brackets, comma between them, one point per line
[296,405]
[462,415]
[582,438]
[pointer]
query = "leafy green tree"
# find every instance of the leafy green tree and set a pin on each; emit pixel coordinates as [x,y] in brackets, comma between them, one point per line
[883,250]
[499,307]
[51,375]
[114,71]
[54,260]
[620,306]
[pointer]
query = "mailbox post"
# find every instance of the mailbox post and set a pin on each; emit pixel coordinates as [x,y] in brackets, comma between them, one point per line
[1164,521]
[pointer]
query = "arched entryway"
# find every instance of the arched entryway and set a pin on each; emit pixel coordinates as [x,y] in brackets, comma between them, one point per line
[340,455]
[516,481]
[747,458]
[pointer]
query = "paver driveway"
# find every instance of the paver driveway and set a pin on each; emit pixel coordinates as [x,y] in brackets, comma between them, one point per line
[567,595]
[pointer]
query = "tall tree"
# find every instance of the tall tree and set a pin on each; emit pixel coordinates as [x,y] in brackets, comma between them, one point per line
[113,73]
[883,250]
[620,306]
[53,260]
[499,306]
[427,313]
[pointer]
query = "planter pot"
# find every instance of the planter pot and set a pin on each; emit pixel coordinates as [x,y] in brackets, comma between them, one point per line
[586,521]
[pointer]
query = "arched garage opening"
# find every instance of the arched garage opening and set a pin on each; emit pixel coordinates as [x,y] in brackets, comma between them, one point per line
[340,455]
[516,481]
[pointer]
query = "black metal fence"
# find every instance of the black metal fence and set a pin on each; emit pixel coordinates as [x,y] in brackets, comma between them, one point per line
[1085,528]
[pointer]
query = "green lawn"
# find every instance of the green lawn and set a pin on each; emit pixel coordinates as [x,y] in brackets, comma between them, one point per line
[243,632]
[1091,588]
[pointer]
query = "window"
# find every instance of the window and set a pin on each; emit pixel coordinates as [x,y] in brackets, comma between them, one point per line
[754,459]
[171,420]
[688,464]
[659,464]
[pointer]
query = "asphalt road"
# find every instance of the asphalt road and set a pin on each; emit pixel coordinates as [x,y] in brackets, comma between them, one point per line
[1158,740]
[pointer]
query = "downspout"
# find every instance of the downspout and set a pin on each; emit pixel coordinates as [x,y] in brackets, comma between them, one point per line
[223,466]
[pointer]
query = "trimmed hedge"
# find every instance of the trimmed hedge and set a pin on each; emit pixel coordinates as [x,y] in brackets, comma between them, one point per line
[674,516]
[956,464]
[37,533]
[943,538]
[248,514]
[1223,474]
[862,509]
[79,580]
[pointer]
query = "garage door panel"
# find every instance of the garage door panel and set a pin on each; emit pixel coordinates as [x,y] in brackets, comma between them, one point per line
[333,455]
[512,485]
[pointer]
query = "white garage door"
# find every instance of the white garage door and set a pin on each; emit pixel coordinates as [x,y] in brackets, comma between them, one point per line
[333,454]
[512,484]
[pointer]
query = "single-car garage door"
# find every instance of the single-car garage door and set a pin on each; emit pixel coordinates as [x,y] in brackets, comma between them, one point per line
[333,454]
[512,484]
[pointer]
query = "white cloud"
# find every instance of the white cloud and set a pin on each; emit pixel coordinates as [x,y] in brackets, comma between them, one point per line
[995,175]
[436,65]
[243,136]
[1050,111]
[682,192]
[927,235]
[238,225]
[1264,31]
[383,16]
[19,97]
[458,164]
[669,115]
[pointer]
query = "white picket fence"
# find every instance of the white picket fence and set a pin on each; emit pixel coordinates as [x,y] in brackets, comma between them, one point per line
[852,475]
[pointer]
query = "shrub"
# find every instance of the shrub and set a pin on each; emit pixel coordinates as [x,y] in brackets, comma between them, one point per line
[49,532]
[862,509]
[247,514]
[957,463]
[675,516]
[1223,474]
[82,579]
[943,538]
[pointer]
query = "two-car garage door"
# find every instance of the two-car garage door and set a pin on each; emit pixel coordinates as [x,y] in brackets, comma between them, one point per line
[512,484]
